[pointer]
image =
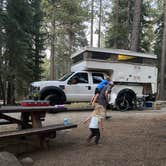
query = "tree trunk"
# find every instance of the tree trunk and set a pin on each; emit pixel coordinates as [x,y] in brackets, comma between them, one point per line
[92,17]
[100,18]
[136,25]
[116,22]
[70,46]
[162,73]
[37,63]
[2,81]
[128,23]
[10,92]
[52,56]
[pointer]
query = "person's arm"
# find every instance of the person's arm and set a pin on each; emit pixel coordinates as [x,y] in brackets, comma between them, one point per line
[101,124]
[87,119]
[94,99]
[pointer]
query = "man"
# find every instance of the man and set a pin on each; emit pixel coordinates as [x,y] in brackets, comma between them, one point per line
[99,87]
[102,98]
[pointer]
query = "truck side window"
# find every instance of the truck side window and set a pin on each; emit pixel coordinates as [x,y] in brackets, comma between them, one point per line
[81,78]
[97,77]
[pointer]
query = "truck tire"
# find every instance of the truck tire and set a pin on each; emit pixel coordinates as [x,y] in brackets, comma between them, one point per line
[53,94]
[54,99]
[123,104]
[125,100]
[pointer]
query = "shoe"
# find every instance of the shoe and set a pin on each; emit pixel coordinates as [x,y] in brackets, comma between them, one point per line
[108,117]
[98,145]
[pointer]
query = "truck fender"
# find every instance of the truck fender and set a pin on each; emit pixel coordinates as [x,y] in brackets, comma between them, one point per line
[51,90]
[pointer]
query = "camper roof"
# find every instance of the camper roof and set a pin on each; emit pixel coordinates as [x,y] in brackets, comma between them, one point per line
[114,51]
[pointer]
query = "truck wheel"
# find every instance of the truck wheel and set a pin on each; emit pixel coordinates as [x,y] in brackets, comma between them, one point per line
[123,104]
[125,100]
[54,99]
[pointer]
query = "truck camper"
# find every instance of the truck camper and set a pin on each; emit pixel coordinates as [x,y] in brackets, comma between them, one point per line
[134,74]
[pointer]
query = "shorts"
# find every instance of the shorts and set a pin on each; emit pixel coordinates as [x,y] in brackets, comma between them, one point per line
[97,90]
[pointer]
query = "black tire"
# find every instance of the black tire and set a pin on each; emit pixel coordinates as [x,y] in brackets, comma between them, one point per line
[54,99]
[130,96]
[123,105]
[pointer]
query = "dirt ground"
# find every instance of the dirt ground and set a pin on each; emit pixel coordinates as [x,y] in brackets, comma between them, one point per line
[133,138]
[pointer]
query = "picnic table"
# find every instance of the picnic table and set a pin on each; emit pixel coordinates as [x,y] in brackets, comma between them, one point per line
[30,122]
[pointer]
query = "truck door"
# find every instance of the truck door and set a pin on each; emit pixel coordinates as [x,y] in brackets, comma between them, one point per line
[96,79]
[78,87]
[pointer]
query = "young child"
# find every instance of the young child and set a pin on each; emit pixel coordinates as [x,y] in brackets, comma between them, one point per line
[99,87]
[95,124]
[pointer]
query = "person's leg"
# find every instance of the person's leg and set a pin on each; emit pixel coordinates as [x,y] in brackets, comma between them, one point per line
[92,134]
[97,134]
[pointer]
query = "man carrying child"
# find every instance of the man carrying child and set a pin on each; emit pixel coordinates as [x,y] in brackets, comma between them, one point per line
[102,98]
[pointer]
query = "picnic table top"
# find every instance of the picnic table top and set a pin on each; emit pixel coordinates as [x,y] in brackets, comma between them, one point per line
[12,109]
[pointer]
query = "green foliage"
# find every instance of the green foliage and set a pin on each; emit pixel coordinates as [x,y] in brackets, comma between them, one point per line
[121,20]
[68,32]
[22,47]
[159,23]
[37,40]
[119,25]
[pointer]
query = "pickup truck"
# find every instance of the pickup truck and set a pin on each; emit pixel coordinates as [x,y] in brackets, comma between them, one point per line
[73,87]
[134,75]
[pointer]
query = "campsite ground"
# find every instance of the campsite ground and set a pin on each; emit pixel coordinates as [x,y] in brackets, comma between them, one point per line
[133,138]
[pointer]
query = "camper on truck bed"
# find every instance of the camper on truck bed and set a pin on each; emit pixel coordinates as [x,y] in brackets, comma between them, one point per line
[134,74]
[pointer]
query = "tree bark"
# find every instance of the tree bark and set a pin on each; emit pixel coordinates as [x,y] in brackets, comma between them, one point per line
[162,72]
[128,23]
[100,18]
[92,17]
[52,55]
[136,25]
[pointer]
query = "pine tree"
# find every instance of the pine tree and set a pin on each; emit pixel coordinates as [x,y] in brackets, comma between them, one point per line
[119,30]
[163,59]
[66,29]
[136,28]
[2,47]
[17,22]
[38,38]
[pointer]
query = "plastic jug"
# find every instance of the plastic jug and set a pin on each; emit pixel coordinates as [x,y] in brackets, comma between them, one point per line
[65,121]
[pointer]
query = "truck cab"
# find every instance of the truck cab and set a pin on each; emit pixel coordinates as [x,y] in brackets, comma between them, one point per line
[73,87]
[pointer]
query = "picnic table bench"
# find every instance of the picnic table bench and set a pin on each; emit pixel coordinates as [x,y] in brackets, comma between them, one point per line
[42,130]
[30,122]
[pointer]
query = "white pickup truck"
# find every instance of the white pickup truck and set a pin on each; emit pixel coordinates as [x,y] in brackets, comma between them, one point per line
[134,74]
[75,86]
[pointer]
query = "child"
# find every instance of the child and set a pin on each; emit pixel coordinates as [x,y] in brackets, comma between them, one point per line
[99,87]
[95,124]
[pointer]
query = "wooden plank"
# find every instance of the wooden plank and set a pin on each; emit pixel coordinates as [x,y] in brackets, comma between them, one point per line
[36,123]
[34,131]
[12,109]
[58,110]
[14,120]
[5,122]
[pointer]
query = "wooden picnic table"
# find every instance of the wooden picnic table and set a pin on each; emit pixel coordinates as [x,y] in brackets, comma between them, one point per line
[35,113]
[30,121]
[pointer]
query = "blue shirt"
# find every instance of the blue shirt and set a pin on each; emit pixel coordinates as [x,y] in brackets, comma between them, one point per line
[102,84]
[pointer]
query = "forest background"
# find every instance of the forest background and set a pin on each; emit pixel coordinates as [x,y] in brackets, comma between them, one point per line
[29,29]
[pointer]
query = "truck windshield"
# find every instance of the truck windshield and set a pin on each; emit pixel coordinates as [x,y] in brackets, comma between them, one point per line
[66,76]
